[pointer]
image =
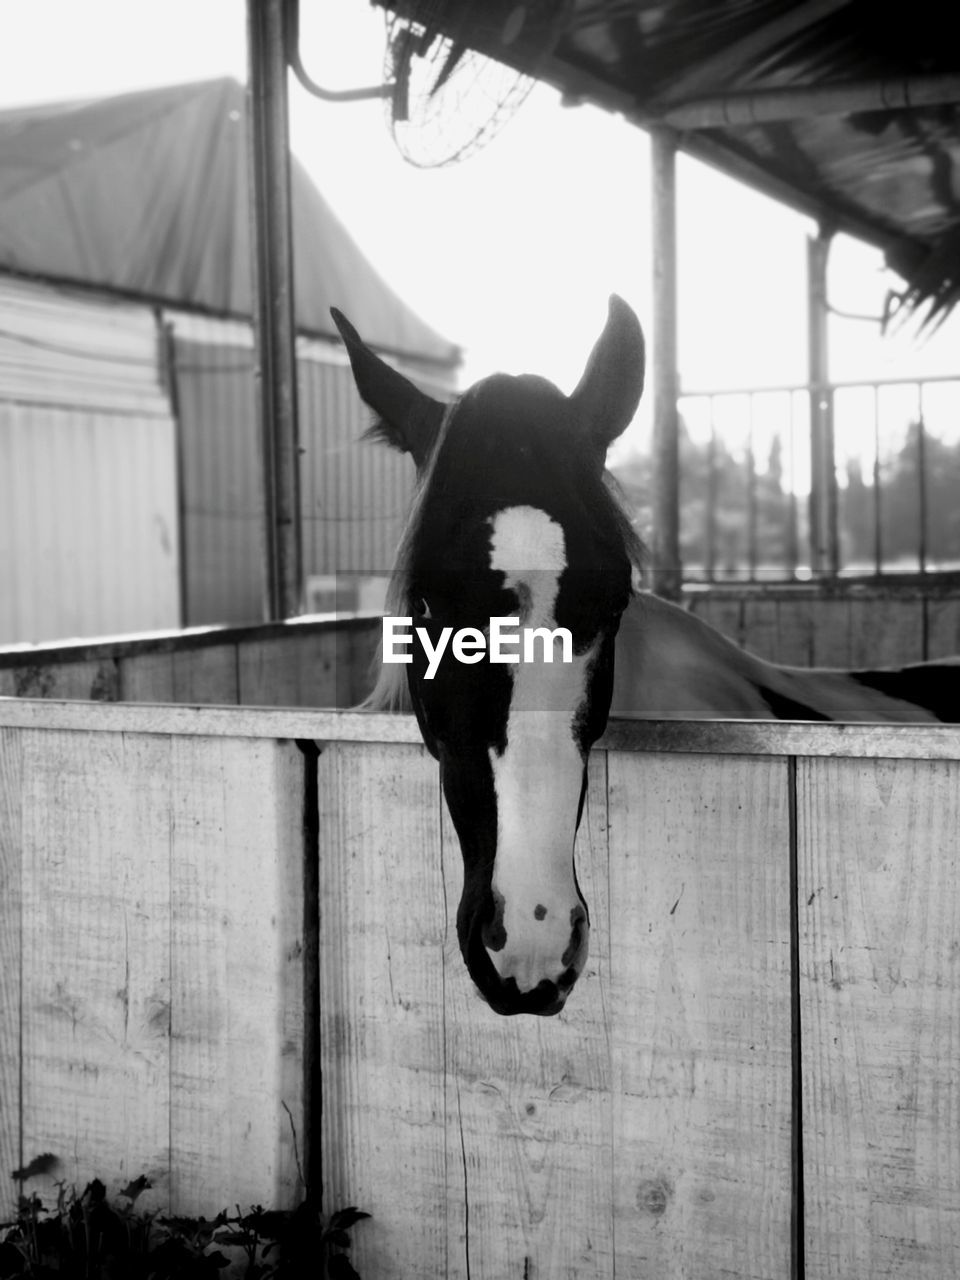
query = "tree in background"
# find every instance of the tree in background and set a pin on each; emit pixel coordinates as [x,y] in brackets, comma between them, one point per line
[924,461]
[716,512]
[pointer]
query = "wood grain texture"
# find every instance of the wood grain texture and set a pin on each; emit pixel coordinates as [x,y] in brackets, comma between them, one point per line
[830,631]
[382,930]
[161,964]
[795,633]
[96,957]
[880,972]
[699,1016]
[943,628]
[528,1104]
[94,679]
[11,938]
[760,628]
[710,737]
[885,632]
[202,675]
[295,671]
[235,940]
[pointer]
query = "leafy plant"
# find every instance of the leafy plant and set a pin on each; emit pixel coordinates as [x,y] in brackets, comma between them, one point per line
[85,1237]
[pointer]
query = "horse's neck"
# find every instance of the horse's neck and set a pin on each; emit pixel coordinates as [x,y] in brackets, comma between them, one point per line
[670,664]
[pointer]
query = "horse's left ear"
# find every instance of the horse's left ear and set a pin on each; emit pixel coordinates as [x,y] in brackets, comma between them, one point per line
[408,419]
[607,395]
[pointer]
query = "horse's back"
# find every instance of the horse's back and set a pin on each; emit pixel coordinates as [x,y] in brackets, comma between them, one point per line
[671,664]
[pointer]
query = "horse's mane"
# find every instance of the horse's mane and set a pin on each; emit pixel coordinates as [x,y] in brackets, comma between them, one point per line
[600,494]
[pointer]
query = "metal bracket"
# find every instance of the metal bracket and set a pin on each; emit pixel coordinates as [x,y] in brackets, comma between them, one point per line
[291,29]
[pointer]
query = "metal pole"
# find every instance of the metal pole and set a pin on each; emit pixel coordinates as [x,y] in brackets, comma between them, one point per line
[824,531]
[666,462]
[274,328]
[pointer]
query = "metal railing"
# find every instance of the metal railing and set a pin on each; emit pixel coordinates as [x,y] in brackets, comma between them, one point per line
[747,504]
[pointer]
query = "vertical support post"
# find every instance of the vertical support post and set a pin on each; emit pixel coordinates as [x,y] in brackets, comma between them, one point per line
[666,460]
[824,530]
[921,483]
[274,328]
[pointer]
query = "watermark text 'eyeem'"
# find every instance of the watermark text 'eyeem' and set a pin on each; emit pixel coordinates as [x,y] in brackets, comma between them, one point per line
[504,641]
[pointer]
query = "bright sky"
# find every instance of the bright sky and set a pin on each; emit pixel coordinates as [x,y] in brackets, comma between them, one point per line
[513,253]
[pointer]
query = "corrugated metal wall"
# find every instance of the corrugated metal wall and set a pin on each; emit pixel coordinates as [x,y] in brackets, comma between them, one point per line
[88,497]
[222,497]
[354,493]
[96,525]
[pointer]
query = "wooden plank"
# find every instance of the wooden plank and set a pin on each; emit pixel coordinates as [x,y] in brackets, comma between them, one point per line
[11,809]
[206,674]
[830,623]
[709,737]
[698,1015]
[147,677]
[723,613]
[96,958]
[235,857]
[943,628]
[97,680]
[528,1111]
[880,990]
[795,633]
[383,936]
[299,670]
[885,633]
[760,631]
[357,663]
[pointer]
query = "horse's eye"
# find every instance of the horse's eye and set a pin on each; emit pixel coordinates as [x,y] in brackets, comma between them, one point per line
[420,607]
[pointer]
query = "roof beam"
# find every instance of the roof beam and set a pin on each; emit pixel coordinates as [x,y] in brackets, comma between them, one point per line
[766,106]
[726,64]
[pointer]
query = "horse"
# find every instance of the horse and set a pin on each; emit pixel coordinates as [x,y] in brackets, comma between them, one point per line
[514,516]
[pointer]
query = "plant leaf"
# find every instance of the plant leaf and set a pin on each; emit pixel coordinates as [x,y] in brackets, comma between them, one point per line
[344,1219]
[46,1163]
[136,1188]
[340,1268]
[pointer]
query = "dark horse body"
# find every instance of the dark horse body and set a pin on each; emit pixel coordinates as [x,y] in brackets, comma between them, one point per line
[514,518]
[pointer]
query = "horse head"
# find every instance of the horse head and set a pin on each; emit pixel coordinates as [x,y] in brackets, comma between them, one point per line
[514,518]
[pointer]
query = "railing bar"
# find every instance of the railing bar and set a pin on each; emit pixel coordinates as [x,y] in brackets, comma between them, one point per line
[844,384]
[877,521]
[712,485]
[751,495]
[921,482]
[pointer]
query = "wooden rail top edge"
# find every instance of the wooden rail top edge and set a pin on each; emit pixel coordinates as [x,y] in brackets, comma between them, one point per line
[710,737]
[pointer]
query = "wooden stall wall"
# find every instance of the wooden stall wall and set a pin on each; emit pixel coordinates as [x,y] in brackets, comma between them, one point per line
[298,664]
[757,1075]
[842,626]
[151,924]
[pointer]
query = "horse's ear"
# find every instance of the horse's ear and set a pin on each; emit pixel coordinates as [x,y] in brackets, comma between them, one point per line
[408,419]
[607,395]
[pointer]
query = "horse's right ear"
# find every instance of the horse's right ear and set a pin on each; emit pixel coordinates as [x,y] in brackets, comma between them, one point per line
[408,419]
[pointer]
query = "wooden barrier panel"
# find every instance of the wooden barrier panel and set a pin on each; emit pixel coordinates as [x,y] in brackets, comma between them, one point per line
[880,992]
[758,1074]
[151,918]
[304,663]
[845,625]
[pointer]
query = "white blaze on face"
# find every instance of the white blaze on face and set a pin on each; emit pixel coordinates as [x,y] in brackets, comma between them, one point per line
[538,777]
